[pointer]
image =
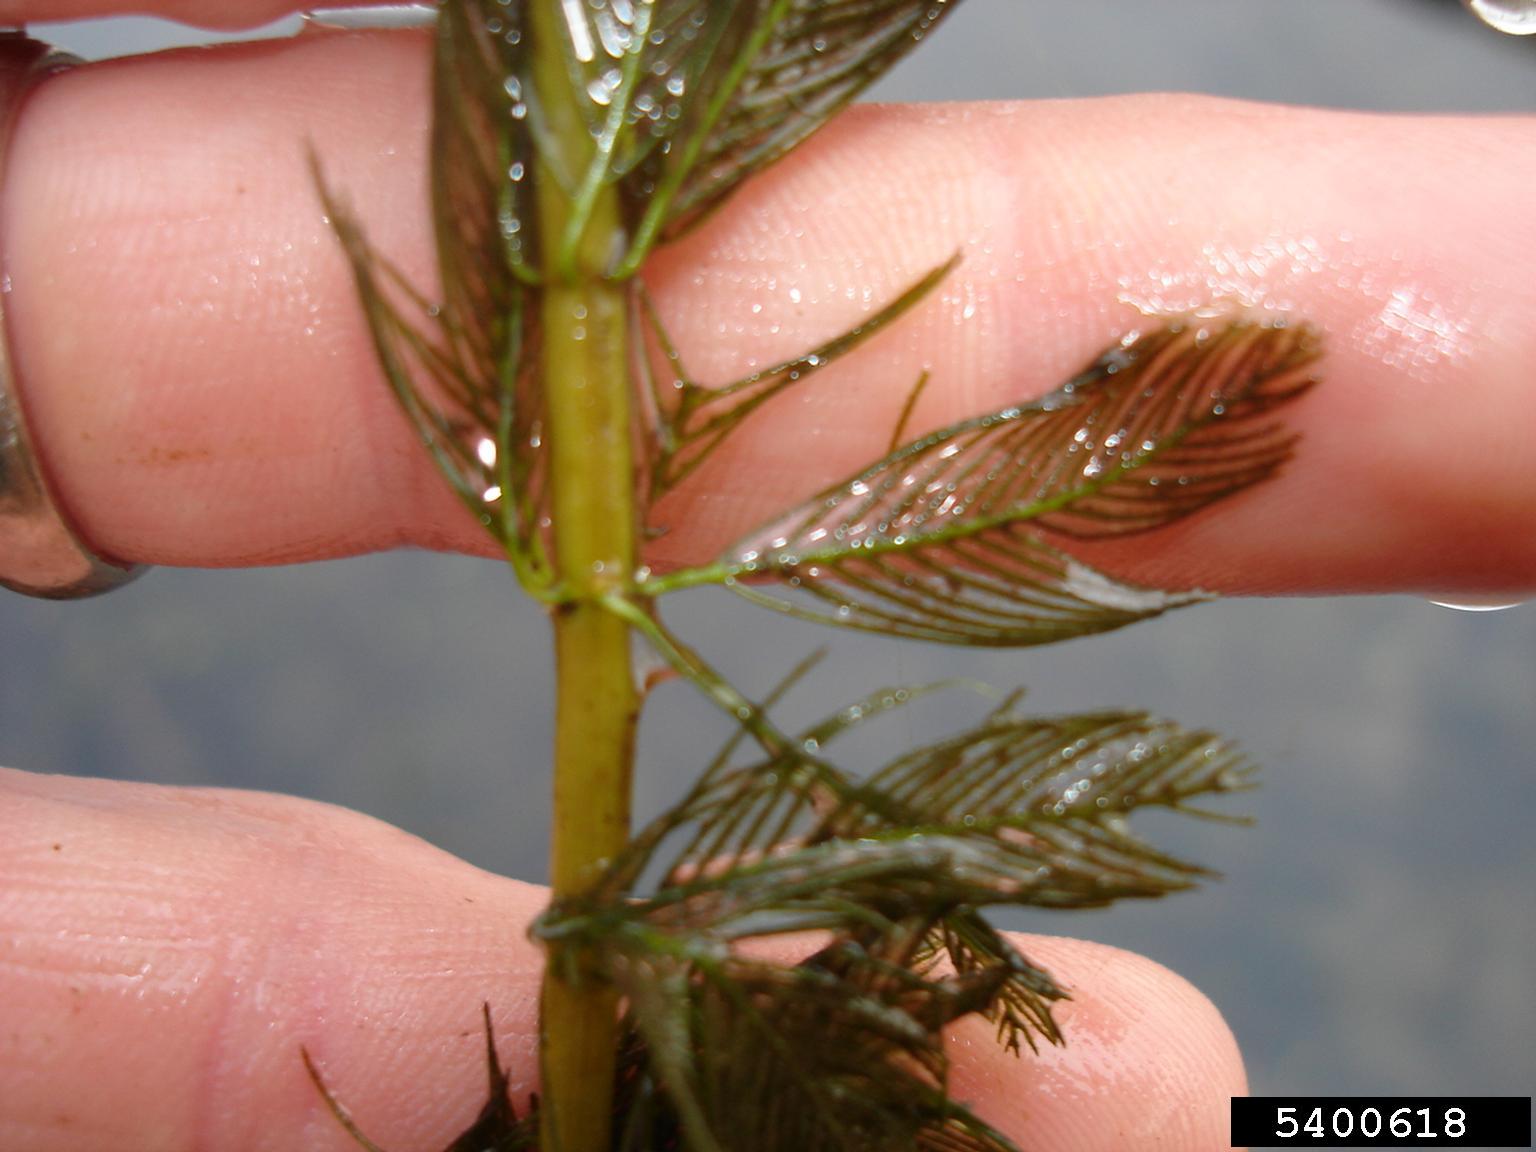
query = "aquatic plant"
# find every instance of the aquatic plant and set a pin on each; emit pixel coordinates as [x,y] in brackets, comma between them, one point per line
[571,138]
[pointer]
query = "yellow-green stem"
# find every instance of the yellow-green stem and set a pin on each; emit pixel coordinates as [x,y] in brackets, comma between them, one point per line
[587,388]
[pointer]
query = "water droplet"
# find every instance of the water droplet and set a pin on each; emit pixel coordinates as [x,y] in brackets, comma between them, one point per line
[1464,602]
[1229,781]
[580,31]
[613,29]
[1516,17]
[601,88]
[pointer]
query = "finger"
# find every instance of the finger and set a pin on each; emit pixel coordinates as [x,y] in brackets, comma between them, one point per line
[205,393]
[167,951]
[203,13]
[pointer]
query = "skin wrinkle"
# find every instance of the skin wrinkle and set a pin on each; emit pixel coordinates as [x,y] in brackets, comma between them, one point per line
[216,1071]
[286,924]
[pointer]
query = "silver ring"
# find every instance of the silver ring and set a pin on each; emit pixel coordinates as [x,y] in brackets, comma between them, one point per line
[40,553]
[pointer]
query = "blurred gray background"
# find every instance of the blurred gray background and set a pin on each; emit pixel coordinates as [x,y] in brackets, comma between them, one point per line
[1374,933]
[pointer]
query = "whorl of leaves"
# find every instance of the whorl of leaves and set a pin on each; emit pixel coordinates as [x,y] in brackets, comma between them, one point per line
[895,869]
[683,99]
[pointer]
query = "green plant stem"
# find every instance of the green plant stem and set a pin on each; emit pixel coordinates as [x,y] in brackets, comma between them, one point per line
[586,376]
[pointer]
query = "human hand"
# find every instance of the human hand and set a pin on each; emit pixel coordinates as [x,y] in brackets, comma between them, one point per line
[185,414]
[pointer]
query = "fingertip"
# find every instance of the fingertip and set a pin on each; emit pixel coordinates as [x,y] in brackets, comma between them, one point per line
[1148,1061]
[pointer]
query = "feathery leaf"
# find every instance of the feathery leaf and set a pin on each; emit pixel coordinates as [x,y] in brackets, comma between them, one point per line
[1049,795]
[460,368]
[941,540]
[1018,810]
[692,420]
[1021,1009]
[779,72]
[842,1051]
